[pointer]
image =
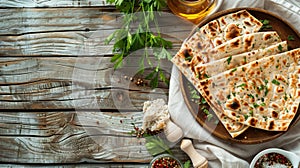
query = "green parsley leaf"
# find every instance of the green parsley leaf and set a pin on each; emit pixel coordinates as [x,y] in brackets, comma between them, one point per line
[189,58]
[255,105]
[251,113]
[233,70]
[242,85]
[206,76]
[291,38]
[155,145]
[127,40]
[187,164]
[280,47]
[246,116]
[250,95]
[203,101]
[229,59]
[274,81]
[266,24]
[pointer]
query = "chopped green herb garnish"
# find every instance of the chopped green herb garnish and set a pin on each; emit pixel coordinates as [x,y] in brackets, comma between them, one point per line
[263,104]
[291,38]
[246,116]
[189,58]
[280,47]
[251,112]
[274,81]
[261,87]
[209,117]
[233,70]
[206,111]
[265,21]
[242,85]
[266,91]
[245,59]
[228,96]
[265,117]
[266,24]
[255,105]
[203,101]
[285,97]
[250,95]
[206,76]
[195,96]
[229,59]
[266,81]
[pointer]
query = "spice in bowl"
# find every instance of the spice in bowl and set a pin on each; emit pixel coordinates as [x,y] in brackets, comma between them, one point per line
[273,160]
[165,161]
[275,157]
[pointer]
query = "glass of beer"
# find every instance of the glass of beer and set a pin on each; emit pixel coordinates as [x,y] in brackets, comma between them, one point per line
[192,10]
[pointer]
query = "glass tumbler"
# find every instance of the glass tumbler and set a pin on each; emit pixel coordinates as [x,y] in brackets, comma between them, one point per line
[192,10]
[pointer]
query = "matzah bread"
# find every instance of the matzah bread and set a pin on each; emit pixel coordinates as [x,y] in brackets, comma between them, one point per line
[233,61]
[230,26]
[264,94]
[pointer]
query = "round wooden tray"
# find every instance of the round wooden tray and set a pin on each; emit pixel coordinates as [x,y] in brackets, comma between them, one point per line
[251,135]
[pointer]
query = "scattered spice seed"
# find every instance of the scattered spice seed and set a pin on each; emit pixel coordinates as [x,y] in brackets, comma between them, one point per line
[272,160]
[165,162]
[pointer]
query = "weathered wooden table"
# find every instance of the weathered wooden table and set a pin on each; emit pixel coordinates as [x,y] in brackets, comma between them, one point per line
[51,76]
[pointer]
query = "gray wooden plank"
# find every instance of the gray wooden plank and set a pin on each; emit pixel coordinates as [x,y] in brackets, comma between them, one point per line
[73,137]
[19,21]
[78,165]
[73,82]
[52,3]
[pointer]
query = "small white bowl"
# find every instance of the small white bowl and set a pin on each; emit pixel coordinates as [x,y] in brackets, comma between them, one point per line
[290,155]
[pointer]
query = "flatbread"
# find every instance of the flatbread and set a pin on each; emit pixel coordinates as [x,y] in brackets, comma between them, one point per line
[235,46]
[190,52]
[233,61]
[230,26]
[212,34]
[264,94]
[187,58]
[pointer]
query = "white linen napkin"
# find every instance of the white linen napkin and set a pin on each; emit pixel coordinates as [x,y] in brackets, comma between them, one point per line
[218,152]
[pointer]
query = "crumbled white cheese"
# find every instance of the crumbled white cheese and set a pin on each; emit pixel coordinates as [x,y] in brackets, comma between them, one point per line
[156,115]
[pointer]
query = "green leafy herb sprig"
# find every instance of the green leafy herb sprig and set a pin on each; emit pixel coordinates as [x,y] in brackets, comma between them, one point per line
[266,24]
[155,144]
[127,40]
[197,98]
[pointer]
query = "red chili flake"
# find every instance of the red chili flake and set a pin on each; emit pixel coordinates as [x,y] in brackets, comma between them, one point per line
[165,162]
[271,159]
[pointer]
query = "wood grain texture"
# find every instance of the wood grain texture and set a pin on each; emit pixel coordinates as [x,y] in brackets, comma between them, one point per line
[72,82]
[53,3]
[61,101]
[72,137]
